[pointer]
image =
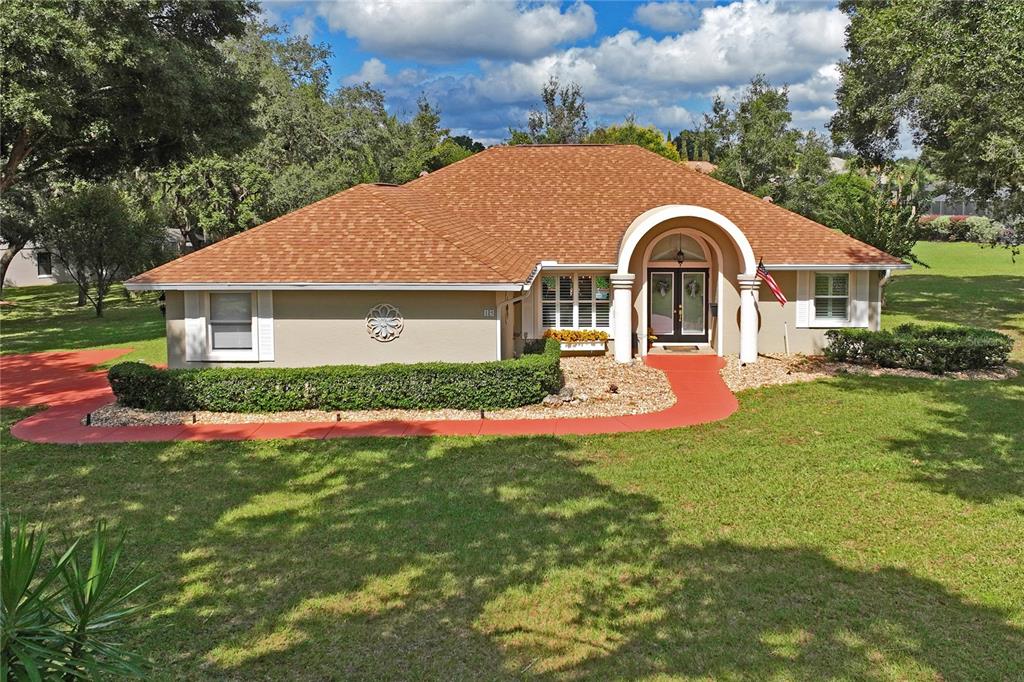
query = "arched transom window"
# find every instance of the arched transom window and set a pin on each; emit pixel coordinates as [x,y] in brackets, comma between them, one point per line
[669,246]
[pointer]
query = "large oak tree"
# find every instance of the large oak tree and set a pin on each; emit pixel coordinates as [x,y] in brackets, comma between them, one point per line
[953,72]
[92,88]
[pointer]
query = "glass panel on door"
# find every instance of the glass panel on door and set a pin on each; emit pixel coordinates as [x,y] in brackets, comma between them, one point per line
[663,298]
[693,303]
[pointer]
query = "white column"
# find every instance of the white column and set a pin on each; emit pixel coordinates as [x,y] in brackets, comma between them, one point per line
[622,304]
[748,317]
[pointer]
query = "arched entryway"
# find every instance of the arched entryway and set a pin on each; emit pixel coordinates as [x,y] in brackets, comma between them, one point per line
[681,287]
[624,279]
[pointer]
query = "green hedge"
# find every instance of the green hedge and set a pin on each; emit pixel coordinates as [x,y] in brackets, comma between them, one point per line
[930,349]
[433,385]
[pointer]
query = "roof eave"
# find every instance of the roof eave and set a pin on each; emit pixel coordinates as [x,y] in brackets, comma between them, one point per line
[324,286]
[837,266]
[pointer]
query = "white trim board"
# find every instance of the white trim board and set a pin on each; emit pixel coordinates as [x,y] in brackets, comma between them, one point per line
[833,266]
[319,286]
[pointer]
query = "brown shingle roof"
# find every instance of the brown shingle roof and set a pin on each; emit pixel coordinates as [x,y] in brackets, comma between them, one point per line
[492,217]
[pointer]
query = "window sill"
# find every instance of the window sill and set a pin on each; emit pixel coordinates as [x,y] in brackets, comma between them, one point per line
[832,324]
[231,356]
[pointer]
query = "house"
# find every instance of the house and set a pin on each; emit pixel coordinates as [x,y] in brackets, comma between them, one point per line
[34,265]
[468,262]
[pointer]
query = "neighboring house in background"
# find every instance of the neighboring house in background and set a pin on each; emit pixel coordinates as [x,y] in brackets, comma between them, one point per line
[468,262]
[947,204]
[32,266]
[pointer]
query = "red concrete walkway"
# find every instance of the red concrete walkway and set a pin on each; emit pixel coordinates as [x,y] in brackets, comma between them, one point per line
[66,382]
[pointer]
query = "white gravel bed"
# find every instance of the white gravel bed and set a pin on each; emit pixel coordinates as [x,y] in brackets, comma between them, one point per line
[638,389]
[776,369]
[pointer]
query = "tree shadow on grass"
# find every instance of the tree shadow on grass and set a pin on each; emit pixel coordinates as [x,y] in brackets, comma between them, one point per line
[45,318]
[973,444]
[499,559]
[25,336]
[994,301]
[483,559]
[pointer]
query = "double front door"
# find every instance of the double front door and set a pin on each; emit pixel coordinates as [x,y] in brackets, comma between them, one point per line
[678,304]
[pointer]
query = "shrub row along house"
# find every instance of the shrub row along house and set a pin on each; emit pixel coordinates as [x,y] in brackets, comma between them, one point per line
[470,262]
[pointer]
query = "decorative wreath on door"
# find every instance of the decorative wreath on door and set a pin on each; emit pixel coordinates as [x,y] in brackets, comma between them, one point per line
[384,322]
[692,288]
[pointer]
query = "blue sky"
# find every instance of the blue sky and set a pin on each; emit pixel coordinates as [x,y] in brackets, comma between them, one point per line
[482,62]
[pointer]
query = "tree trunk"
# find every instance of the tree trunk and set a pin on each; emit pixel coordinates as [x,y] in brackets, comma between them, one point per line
[83,289]
[102,289]
[19,150]
[8,256]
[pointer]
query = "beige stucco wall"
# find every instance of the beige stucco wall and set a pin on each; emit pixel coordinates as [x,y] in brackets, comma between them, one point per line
[328,328]
[774,318]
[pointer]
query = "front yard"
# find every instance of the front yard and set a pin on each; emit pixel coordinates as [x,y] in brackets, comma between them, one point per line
[852,528]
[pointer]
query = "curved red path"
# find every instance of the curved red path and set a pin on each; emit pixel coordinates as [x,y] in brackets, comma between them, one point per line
[67,383]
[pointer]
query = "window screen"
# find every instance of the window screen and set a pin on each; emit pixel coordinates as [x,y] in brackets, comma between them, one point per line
[231,321]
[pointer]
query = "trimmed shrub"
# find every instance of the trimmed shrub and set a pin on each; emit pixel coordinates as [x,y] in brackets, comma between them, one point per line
[930,349]
[432,385]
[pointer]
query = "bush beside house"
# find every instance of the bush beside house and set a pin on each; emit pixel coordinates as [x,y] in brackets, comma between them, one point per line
[960,228]
[930,349]
[434,385]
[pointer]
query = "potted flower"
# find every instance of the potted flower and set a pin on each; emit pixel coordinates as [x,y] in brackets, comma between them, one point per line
[579,340]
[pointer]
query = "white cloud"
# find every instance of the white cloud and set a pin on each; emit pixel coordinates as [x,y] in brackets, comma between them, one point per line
[373,71]
[813,118]
[673,116]
[820,87]
[670,16]
[458,29]
[654,78]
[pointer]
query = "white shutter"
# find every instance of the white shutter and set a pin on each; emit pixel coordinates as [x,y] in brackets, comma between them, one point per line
[803,303]
[265,325]
[195,326]
[859,301]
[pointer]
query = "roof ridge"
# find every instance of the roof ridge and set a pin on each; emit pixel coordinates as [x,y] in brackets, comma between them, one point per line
[441,170]
[419,221]
[747,196]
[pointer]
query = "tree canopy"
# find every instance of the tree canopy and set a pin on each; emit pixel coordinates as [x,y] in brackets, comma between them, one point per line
[93,88]
[953,73]
[882,211]
[311,142]
[563,120]
[629,132]
[758,151]
[101,234]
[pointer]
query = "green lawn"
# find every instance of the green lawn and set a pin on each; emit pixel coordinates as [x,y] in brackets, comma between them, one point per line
[46,318]
[855,528]
[965,284]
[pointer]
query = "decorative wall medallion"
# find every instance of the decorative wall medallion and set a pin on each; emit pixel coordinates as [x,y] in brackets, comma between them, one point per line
[384,322]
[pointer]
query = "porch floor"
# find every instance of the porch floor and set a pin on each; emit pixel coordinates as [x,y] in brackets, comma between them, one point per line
[682,349]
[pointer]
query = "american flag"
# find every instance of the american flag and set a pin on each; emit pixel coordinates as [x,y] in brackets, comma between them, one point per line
[765,276]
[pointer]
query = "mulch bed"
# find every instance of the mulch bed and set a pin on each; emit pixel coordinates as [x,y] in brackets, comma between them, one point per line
[638,389]
[777,369]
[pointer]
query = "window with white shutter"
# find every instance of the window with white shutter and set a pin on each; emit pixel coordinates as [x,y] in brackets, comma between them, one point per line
[831,297]
[575,301]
